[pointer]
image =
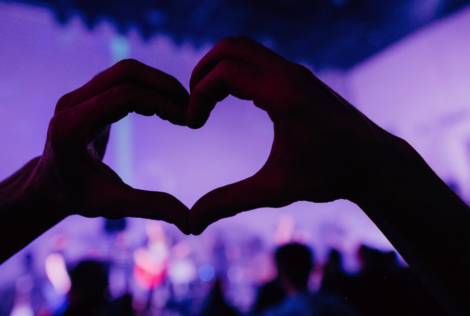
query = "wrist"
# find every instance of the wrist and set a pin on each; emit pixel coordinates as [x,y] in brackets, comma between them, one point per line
[25,191]
[25,211]
[391,173]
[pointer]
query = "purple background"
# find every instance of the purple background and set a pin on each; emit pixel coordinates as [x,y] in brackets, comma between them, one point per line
[418,89]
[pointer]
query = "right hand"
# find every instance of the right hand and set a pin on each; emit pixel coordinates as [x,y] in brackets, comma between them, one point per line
[320,140]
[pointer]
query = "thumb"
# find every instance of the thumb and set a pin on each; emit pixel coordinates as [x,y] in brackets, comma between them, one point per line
[152,205]
[227,201]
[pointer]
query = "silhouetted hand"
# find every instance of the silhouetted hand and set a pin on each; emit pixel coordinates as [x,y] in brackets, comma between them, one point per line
[70,172]
[320,140]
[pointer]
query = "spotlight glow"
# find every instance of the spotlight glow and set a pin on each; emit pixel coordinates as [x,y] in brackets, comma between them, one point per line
[206,272]
[56,271]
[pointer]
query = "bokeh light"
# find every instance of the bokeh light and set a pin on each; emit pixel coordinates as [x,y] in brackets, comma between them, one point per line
[206,272]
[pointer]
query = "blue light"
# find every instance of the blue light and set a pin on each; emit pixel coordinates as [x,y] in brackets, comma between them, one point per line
[120,49]
[206,272]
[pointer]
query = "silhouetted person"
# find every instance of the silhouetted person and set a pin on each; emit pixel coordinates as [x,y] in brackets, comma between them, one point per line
[289,280]
[334,279]
[294,263]
[377,289]
[215,303]
[269,295]
[87,294]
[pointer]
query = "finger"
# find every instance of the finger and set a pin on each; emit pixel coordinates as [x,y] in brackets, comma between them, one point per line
[108,196]
[127,71]
[227,201]
[156,205]
[242,49]
[239,79]
[88,118]
[128,202]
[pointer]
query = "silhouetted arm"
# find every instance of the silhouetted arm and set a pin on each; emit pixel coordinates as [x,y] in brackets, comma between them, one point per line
[323,150]
[426,222]
[24,215]
[70,178]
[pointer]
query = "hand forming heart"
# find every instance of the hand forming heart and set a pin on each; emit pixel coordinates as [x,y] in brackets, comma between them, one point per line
[320,140]
[70,172]
[316,154]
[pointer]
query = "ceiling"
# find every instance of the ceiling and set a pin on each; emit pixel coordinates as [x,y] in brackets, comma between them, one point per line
[322,33]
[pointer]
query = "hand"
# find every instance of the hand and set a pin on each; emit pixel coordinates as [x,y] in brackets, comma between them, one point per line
[70,172]
[320,140]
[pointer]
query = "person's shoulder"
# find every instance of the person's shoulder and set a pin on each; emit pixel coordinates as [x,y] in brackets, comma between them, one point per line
[298,305]
[332,304]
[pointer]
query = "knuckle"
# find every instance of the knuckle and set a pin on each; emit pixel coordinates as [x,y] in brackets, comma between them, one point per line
[123,91]
[226,43]
[302,72]
[63,102]
[244,38]
[126,66]
[225,65]
[198,92]
[173,82]
[66,130]
[59,131]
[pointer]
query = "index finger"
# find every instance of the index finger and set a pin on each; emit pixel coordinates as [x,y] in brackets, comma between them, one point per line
[241,49]
[127,71]
[239,79]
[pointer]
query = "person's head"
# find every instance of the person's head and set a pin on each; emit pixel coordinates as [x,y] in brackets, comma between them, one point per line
[294,263]
[334,264]
[370,258]
[89,281]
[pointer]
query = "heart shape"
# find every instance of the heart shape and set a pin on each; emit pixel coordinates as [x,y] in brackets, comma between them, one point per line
[318,136]
[323,150]
[314,130]
[70,170]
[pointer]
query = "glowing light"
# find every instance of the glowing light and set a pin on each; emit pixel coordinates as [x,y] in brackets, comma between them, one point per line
[154,231]
[56,272]
[24,285]
[120,49]
[181,271]
[94,253]
[206,272]
[285,228]
[59,242]
[22,310]
[181,250]
[235,275]
[150,265]
[149,279]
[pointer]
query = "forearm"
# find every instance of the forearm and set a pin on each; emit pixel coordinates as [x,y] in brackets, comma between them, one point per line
[426,222]
[25,213]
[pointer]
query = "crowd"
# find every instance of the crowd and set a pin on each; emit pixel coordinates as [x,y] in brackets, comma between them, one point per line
[381,287]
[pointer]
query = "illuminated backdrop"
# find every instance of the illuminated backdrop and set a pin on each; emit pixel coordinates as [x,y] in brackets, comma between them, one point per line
[417,89]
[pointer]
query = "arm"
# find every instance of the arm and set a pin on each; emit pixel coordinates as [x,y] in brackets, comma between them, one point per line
[425,221]
[23,214]
[323,150]
[70,178]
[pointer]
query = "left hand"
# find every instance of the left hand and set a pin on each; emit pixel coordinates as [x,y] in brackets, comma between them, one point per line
[70,173]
